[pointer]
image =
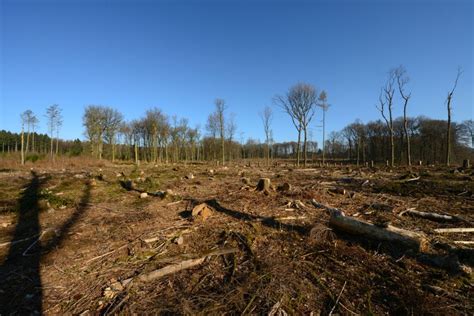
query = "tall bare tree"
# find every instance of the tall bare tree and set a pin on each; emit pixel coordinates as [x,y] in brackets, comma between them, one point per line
[112,121]
[59,124]
[34,124]
[299,104]
[29,118]
[220,115]
[24,120]
[212,128]
[267,116]
[386,99]
[231,129]
[95,123]
[53,114]
[322,102]
[448,104]
[402,80]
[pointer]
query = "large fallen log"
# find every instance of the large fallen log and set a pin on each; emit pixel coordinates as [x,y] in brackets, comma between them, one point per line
[341,222]
[431,216]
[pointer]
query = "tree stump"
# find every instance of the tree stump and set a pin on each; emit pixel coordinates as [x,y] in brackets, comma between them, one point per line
[263,184]
[466,164]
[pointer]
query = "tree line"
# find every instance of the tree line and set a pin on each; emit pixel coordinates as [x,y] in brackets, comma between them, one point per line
[362,143]
[159,138]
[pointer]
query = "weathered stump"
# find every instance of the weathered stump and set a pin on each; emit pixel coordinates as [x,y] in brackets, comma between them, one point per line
[263,184]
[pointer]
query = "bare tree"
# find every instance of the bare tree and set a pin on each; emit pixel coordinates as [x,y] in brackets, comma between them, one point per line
[402,80]
[448,104]
[112,121]
[29,118]
[34,123]
[24,120]
[212,128]
[322,102]
[94,122]
[220,115]
[267,116]
[231,130]
[59,123]
[299,103]
[386,99]
[53,114]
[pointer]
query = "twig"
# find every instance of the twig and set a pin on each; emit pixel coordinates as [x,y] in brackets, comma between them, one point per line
[105,254]
[464,242]
[186,264]
[338,298]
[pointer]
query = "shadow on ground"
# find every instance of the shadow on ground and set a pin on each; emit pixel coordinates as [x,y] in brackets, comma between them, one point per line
[21,288]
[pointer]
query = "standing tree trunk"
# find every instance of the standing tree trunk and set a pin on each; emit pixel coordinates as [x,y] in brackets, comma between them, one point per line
[22,145]
[324,134]
[448,134]
[407,135]
[52,146]
[305,156]
[137,161]
[57,142]
[448,103]
[298,148]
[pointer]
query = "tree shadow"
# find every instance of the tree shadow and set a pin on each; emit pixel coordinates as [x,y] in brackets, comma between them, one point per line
[267,221]
[20,285]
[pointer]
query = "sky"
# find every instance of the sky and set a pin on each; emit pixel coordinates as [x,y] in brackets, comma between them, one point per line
[181,55]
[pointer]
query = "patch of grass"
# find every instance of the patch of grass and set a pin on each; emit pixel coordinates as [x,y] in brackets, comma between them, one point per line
[55,200]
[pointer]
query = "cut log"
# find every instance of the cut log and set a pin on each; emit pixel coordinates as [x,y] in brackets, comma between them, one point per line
[341,222]
[455,230]
[173,268]
[432,216]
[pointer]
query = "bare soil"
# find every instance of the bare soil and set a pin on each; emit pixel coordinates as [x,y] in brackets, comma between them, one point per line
[69,237]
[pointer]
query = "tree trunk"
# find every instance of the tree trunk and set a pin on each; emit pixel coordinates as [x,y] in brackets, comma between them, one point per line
[223,152]
[57,143]
[27,141]
[392,147]
[137,161]
[407,136]
[113,151]
[448,136]
[22,145]
[52,146]
[304,148]
[298,148]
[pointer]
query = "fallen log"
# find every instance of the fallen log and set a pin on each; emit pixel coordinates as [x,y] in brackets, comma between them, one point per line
[341,222]
[432,216]
[455,230]
[173,268]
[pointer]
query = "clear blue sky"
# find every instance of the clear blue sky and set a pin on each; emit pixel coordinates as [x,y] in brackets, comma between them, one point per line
[181,55]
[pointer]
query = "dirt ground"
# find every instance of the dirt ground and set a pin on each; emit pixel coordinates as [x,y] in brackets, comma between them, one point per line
[70,238]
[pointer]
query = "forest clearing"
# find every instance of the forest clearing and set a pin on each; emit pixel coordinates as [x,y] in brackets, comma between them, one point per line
[119,238]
